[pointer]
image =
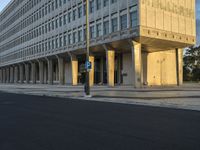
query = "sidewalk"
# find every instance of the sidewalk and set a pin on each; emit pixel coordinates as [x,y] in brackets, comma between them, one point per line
[185,97]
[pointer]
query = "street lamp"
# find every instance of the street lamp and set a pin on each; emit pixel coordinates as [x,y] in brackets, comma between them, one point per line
[87,84]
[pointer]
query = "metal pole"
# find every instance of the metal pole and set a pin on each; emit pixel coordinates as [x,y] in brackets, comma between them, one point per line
[87,85]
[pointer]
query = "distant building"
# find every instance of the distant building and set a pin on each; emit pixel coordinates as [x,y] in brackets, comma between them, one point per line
[133,42]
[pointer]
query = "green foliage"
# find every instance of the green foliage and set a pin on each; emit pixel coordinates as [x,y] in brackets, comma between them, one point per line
[191,68]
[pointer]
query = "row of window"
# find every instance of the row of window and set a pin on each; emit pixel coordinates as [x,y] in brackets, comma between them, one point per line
[24,9]
[51,6]
[101,28]
[59,41]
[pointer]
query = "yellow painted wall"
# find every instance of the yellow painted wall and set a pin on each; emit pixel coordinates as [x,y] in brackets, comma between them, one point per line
[176,16]
[161,68]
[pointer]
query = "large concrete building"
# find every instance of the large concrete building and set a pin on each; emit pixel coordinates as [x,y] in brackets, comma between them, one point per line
[133,42]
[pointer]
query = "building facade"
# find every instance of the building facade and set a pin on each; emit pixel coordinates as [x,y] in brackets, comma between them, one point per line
[133,42]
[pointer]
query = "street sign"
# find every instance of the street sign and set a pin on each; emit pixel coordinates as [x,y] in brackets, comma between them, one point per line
[88,65]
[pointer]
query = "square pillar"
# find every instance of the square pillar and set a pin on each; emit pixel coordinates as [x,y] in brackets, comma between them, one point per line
[21,73]
[50,71]
[179,66]
[137,64]
[74,66]
[33,72]
[16,73]
[41,72]
[91,73]
[110,60]
[27,73]
[11,74]
[0,75]
[61,70]
[7,75]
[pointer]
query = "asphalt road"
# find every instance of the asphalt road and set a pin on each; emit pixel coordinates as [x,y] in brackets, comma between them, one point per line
[46,123]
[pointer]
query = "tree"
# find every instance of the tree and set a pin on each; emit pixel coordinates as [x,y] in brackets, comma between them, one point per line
[191,68]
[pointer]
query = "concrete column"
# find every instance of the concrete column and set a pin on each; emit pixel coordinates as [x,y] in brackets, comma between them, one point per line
[21,73]
[74,66]
[7,75]
[137,63]
[0,75]
[61,70]
[50,71]
[110,60]
[41,72]
[179,66]
[33,72]
[16,74]
[11,74]
[91,74]
[27,73]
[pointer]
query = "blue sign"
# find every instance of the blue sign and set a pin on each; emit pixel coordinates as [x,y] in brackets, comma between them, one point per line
[88,65]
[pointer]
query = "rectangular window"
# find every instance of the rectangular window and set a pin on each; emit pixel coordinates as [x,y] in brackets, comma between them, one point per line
[52,24]
[56,23]
[91,6]
[56,41]
[114,24]
[52,44]
[65,40]
[92,35]
[113,1]
[98,4]
[74,37]
[123,19]
[69,39]
[80,12]
[106,27]
[74,14]
[105,3]
[80,36]
[98,29]
[65,19]
[69,17]
[60,41]
[60,21]
[134,18]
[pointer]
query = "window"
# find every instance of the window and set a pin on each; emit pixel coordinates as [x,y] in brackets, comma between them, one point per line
[80,12]
[106,27]
[52,6]
[69,17]
[134,21]
[114,24]
[52,44]
[60,41]
[98,29]
[123,21]
[69,39]
[113,1]
[60,21]
[98,4]
[64,19]
[91,6]
[52,24]
[105,3]
[74,14]
[74,37]
[80,36]
[56,22]
[56,41]
[65,40]
[92,32]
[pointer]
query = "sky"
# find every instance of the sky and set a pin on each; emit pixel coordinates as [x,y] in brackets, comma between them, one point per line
[3,3]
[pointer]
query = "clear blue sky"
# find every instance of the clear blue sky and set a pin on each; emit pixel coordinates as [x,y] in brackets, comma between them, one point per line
[3,3]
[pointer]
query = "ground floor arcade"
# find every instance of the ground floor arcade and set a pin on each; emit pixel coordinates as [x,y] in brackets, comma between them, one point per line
[134,66]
